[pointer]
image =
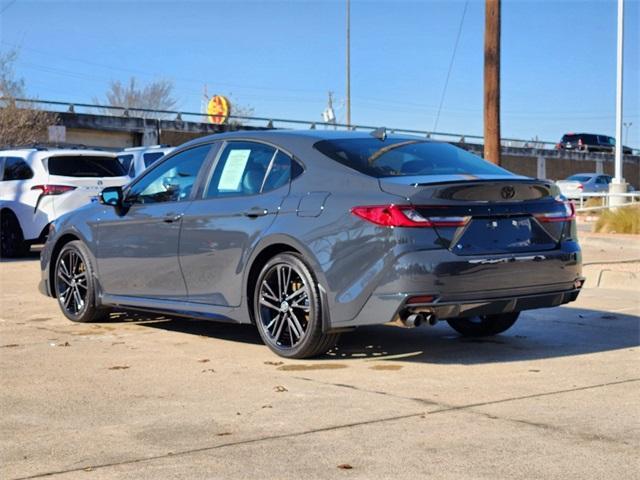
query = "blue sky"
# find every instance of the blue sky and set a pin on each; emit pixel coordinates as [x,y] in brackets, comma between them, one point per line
[281,58]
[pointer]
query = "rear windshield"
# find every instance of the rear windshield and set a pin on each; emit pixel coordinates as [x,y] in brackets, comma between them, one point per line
[402,157]
[151,158]
[580,178]
[85,166]
[125,160]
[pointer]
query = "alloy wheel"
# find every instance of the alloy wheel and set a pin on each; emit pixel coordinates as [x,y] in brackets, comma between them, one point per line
[284,306]
[72,282]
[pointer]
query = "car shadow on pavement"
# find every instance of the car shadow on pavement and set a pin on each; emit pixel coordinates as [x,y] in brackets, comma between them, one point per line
[204,328]
[31,256]
[538,334]
[546,333]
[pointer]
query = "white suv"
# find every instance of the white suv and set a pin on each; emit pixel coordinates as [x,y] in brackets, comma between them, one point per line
[37,185]
[135,160]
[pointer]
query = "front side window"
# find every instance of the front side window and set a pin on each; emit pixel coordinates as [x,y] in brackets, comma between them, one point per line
[405,157]
[16,168]
[85,166]
[241,169]
[172,180]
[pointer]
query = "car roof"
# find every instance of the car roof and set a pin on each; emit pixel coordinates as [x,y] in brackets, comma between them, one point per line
[311,136]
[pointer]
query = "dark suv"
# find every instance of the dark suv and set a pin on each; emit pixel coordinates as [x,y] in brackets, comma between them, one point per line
[588,142]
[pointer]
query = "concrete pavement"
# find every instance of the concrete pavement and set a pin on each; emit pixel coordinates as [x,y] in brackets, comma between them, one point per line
[152,397]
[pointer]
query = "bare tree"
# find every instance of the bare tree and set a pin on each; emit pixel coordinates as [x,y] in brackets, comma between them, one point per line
[238,110]
[156,95]
[20,122]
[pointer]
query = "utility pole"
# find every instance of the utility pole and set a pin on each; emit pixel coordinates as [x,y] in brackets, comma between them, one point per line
[348,86]
[492,81]
[329,115]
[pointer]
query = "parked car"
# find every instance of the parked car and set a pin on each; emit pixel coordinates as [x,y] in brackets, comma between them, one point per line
[136,160]
[588,142]
[573,186]
[37,185]
[308,234]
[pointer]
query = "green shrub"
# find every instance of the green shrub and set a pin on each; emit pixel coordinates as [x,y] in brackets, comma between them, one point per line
[619,220]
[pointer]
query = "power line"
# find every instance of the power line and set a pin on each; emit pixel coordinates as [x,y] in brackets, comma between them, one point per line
[453,56]
[6,7]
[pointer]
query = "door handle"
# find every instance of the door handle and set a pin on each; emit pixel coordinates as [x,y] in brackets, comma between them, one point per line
[255,212]
[172,217]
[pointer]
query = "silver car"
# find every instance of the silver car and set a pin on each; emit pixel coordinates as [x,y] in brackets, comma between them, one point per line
[575,185]
[310,234]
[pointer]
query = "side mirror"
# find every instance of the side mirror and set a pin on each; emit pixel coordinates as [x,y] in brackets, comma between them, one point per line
[112,196]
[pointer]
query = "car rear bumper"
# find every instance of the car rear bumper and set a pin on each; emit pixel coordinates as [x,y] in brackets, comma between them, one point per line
[473,285]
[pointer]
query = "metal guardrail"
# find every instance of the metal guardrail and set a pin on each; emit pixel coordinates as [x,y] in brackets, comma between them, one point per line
[268,122]
[606,197]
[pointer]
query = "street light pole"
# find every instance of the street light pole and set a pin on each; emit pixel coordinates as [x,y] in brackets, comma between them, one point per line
[348,86]
[618,184]
[620,48]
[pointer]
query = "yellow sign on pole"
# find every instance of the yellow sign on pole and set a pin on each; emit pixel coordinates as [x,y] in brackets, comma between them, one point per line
[218,109]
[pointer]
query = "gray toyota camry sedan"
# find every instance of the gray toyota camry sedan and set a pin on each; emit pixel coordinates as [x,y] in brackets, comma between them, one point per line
[309,234]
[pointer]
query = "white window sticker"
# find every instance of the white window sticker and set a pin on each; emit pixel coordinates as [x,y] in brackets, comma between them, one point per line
[233,169]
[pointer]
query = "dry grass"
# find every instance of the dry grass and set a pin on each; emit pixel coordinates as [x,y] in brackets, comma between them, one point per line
[619,220]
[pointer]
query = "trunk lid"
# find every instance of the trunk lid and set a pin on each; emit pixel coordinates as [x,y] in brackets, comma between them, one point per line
[502,213]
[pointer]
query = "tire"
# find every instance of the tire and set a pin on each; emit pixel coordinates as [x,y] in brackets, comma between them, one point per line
[290,324]
[12,242]
[74,284]
[485,325]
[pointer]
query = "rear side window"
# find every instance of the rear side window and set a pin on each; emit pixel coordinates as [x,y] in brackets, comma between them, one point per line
[85,166]
[241,169]
[16,168]
[150,158]
[402,157]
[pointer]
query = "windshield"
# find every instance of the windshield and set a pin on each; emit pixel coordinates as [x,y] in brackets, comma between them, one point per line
[85,166]
[404,157]
[580,178]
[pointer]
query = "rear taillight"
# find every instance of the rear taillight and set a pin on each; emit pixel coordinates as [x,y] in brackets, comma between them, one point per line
[53,189]
[566,214]
[405,216]
[580,187]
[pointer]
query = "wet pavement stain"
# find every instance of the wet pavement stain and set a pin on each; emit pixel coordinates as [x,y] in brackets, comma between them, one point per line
[385,367]
[312,366]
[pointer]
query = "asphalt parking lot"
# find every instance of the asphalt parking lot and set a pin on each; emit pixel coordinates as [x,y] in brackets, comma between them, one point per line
[151,397]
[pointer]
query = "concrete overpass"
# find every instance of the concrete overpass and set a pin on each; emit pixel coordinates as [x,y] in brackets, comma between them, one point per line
[123,129]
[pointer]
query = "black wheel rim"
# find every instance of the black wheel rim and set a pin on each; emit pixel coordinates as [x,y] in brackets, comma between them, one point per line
[71,282]
[284,306]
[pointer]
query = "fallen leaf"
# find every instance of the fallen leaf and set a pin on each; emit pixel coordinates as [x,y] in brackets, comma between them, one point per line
[65,344]
[119,367]
[267,406]
[10,345]
[534,370]
[208,370]
[268,362]
[222,434]
[204,360]
[280,388]
[345,466]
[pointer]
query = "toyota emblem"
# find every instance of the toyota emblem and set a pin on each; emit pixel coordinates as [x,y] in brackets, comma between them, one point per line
[508,192]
